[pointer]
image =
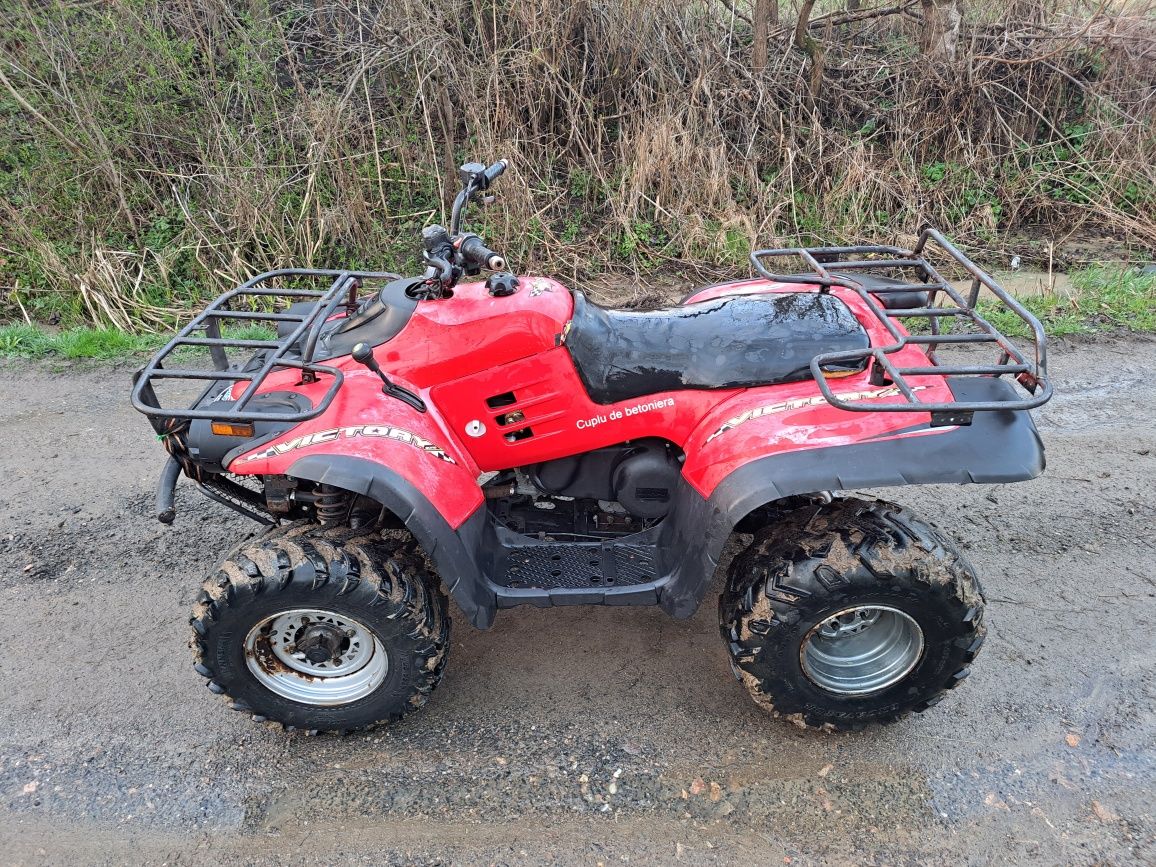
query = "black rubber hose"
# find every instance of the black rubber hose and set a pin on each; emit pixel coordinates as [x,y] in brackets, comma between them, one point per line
[166,491]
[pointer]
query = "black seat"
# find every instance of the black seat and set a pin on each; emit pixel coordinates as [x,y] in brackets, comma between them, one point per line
[733,342]
[889,290]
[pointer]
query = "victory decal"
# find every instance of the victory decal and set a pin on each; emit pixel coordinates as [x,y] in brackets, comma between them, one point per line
[336,433]
[799,403]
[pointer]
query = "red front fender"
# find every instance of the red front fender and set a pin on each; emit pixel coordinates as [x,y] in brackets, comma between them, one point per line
[381,429]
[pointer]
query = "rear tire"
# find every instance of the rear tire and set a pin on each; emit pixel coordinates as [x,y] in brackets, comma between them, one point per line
[849,613]
[377,617]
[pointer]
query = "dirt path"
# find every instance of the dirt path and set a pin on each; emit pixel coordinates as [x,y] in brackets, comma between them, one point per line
[576,735]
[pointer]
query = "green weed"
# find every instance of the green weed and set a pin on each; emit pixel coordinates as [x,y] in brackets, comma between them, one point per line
[253,331]
[1107,298]
[24,341]
[28,341]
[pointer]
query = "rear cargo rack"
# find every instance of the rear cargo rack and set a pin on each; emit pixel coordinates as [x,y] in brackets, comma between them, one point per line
[265,298]
[837,266]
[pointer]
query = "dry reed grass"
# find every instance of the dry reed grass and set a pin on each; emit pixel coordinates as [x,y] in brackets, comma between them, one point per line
[154,153]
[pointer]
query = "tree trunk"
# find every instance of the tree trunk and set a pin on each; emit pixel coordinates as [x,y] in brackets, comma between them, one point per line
[802,40]
[941,21]
[766,16]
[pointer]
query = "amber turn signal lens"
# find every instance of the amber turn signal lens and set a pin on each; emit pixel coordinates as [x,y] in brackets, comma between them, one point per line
[231,429]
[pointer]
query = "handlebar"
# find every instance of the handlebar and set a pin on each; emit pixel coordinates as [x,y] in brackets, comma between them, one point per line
[476,179]
[492,173]
[475,255]
[450,253]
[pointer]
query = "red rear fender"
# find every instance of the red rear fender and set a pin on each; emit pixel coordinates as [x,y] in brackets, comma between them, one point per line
[762,422]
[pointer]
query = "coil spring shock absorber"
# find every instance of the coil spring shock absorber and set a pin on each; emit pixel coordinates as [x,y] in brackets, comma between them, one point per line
[332,504]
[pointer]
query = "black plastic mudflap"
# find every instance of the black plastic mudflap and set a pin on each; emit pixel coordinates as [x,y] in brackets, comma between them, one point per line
[528,571]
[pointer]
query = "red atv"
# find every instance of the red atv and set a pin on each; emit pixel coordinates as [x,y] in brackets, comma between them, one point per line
[510,443]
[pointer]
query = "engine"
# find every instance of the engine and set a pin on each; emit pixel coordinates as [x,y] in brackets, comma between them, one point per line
[641,476]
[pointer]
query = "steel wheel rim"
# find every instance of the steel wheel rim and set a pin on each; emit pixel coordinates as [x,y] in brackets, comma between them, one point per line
[861,650]
[272,658]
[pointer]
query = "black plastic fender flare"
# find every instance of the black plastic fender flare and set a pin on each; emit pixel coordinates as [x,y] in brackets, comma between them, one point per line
[998,447]
[453,552]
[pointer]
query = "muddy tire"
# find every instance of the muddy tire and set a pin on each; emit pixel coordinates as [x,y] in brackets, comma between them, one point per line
[848,613]
[322,629]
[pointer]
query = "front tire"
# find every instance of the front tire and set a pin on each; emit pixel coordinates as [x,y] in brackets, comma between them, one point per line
[322,629]
[851,612]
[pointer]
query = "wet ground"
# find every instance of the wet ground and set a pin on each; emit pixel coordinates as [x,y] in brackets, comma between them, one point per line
[576,735]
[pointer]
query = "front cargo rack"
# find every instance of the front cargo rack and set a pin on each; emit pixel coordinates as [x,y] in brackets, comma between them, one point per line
[860,269]
[268,299]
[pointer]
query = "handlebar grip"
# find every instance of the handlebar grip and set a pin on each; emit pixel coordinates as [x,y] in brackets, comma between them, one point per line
[475,254]
[493,172]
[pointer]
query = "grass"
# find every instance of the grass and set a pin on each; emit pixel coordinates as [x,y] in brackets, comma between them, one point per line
[100,344]
[1108,298]
[253,331]
[155,154]
[31,341]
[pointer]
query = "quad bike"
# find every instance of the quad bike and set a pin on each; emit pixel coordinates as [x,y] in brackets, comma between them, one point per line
[509,442]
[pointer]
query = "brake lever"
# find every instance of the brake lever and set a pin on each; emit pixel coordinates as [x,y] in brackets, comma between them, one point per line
[439,274]
[439,268]
[478,195]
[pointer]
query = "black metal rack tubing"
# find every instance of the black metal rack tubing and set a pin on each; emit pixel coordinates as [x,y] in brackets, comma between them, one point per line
[233,414]
[178,373]
[307,325]
[926,312]
[242,343]
[252,314]
[896,377]
[929,339]
[964,370]
[343,284]
[208,322]
[826,262]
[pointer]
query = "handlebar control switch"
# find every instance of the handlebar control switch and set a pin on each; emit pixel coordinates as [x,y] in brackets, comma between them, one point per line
[477,176]
[435,240]
[501,285]
[470,171]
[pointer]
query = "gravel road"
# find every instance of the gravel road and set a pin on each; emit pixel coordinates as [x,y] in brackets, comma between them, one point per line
[575,735]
